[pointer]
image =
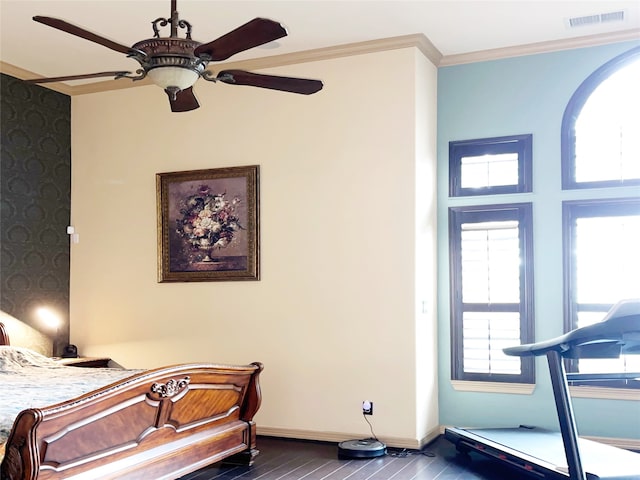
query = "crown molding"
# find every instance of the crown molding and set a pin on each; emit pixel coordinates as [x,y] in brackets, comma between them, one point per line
[347,50]
[541,47]
[419,41]
[23,74]
[71,90]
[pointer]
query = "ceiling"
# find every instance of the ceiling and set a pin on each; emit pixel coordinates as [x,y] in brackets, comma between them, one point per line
[454,27]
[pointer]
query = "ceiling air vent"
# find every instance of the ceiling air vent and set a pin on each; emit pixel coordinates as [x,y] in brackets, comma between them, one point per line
[596,19]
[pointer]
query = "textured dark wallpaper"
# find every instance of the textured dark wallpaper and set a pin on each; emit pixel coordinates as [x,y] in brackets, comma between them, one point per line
[35,194]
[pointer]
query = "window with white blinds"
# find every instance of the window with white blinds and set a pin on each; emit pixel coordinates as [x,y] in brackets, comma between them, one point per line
[600,141]
[491,281]
[490,166]
[602,261]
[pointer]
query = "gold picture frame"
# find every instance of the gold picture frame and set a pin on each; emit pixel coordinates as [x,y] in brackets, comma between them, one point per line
[208,225]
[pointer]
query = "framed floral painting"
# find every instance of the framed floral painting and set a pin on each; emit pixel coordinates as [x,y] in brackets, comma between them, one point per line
[208,225]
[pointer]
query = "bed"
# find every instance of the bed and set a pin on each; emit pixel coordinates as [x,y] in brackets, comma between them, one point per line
[151,424]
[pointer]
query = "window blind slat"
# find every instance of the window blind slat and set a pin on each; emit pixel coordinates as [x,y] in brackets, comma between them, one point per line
[485,334]
[490,263]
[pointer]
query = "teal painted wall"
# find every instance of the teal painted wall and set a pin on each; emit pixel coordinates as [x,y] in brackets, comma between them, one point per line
[506,97]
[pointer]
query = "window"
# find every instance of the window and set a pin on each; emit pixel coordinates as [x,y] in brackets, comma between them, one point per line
[602,261]
[601,148]
[490,166]
[600,141]
[491,291]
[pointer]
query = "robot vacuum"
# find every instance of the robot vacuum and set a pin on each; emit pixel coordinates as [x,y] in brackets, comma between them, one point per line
[366,448]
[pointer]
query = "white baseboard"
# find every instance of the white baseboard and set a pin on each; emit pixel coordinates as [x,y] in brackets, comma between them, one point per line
[337,437]
[410,443]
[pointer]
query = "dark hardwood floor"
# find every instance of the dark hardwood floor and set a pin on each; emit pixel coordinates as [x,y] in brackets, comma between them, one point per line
[285,459]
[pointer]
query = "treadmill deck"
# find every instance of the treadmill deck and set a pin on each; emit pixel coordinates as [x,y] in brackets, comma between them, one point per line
[541,452]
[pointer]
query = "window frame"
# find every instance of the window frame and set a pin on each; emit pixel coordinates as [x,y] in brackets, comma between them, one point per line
[520,144]
[571,114]
[523,212]
[571,211]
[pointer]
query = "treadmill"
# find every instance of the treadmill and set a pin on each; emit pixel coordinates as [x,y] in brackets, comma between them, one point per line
[562,455]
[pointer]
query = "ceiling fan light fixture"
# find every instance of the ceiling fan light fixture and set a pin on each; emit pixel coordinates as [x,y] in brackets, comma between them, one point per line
[169,62]
[170,76]
[175,64]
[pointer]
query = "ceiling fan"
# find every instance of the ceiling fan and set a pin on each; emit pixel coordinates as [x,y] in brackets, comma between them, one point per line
[176,63]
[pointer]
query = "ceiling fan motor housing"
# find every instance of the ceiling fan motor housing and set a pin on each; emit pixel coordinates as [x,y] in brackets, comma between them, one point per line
[169,52]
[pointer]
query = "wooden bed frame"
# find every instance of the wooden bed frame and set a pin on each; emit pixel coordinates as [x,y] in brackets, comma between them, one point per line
[159,424]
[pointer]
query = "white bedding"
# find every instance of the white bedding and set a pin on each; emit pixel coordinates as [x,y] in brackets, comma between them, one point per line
[29,379]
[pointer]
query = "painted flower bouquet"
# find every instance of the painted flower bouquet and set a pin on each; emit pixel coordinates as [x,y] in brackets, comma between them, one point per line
[208,221]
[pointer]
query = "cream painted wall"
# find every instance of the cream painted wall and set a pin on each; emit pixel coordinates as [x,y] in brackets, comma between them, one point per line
[427,412]
[337,312]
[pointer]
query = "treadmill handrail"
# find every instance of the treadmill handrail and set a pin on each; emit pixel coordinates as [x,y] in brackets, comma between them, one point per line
[618,333]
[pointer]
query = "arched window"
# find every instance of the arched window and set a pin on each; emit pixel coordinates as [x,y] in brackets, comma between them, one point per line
[600,140]
[601,148]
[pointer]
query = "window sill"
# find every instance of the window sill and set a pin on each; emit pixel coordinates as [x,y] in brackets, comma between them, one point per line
[527,389]
[605,393]
[493,387]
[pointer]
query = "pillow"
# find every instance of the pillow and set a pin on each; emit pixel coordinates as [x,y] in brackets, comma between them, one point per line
[17,357]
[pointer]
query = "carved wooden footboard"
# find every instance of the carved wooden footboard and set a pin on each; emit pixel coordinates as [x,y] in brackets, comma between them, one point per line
[160,424]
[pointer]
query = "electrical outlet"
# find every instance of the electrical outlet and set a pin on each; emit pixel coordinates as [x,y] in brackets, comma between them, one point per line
[367,407]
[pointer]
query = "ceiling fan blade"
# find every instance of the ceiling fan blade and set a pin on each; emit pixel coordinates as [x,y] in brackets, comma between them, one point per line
[184,101]
[77,77]
[286,84]
[82,33]
[256,32]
